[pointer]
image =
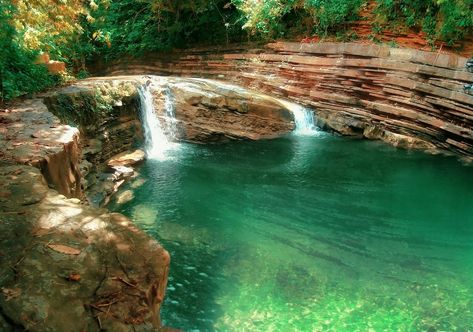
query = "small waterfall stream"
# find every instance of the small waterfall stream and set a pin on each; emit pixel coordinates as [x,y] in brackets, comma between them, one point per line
[160,131]
[157,143]
[304,120]
[170,108]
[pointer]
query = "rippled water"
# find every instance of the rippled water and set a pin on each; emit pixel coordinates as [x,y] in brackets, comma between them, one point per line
[311,234]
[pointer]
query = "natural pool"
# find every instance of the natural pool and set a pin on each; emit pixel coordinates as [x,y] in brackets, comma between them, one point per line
[310,233]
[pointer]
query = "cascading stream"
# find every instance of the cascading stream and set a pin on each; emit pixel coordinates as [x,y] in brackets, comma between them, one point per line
[304,120]
[170,107]
[157,143]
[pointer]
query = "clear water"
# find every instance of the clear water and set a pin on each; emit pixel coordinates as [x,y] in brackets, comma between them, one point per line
[304,121]
[311,233]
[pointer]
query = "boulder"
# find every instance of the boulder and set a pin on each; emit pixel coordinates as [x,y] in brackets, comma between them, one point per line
[208,110]
[127,158]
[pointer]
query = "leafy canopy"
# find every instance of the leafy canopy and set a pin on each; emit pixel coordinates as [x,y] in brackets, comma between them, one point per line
[76,30]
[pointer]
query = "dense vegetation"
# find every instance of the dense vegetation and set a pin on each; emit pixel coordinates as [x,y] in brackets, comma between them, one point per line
[75,30]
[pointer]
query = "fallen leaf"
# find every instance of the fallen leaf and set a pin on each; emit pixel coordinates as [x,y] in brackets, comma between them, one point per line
[64,249]
[10,293]
[74,277]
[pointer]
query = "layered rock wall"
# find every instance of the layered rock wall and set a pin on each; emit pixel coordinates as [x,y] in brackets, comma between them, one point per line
[399,95]
[210,111]
[107,115]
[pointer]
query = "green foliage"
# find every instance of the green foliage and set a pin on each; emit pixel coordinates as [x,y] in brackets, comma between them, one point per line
[18,73]
[264,18]
[74,31]
[272,18]
[135,27]
[21,76]
[333,15]
[456,19]
[82,74]
[442,20]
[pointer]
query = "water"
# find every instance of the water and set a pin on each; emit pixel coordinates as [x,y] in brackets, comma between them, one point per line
[310,233]
[170,108]
[304,121]
[157,144]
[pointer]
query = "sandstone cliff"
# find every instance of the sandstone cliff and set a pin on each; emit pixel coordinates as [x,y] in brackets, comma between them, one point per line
[356,89]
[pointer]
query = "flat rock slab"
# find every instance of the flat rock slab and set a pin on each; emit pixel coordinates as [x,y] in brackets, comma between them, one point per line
[127,158]
[20,186]
[70,267]
[29,133]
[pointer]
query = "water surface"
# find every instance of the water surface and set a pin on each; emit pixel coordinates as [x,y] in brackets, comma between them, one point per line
[316,233]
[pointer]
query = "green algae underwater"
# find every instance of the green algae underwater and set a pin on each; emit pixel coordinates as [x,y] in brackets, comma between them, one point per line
[310,233]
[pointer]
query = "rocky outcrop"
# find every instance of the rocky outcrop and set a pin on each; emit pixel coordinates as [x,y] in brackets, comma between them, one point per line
[352,87]
[70,267]
[66,265]
[127,158]
[54,67]
[30,135]
[207,111]
[105,111]
[107,115]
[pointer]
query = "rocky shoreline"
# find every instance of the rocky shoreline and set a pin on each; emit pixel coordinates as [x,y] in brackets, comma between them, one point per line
[406,97]
[67,264]
[70,265]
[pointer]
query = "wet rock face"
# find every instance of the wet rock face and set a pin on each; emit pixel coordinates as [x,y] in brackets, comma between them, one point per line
[209,111]
[66,266]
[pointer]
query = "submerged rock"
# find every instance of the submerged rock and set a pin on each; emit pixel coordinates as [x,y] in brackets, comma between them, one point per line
[124,197]
[398,140]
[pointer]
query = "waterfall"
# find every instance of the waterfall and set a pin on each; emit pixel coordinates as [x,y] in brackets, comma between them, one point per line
[156,143]
[170,108]
[304,120]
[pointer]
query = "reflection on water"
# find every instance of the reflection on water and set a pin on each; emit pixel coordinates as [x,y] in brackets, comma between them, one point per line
[311,234]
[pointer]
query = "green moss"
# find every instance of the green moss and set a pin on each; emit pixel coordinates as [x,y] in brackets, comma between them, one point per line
[85,108]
